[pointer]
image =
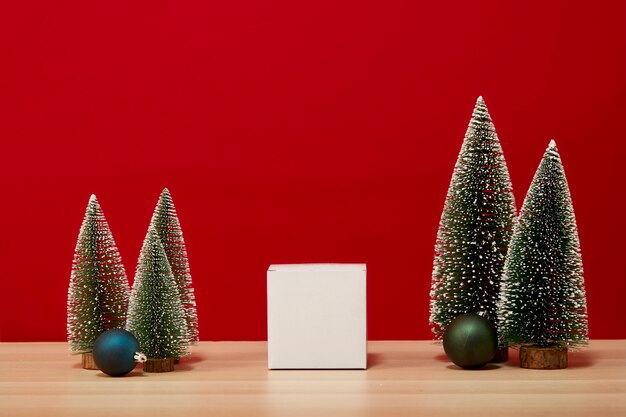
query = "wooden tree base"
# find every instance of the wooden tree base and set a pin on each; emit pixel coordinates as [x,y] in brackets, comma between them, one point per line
[536,357]
[502,355]
[88,362]
[158,365]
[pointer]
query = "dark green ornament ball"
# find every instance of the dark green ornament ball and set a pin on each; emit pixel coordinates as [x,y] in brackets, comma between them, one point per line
[114,352]
[470,341]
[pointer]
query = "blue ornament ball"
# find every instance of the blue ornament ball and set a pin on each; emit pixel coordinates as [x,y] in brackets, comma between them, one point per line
[114,352]
[470,341]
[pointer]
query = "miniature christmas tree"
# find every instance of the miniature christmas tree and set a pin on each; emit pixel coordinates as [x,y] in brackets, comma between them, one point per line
[98,291]
[543,300]
[475,228]
[155,315]
[166,223]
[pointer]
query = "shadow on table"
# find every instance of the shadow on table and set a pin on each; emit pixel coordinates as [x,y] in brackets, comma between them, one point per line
[136,373]
[580,359]
[374,360]
[187,363]
[488,367]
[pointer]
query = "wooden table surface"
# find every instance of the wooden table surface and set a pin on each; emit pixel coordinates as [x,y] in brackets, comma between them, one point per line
[231,379]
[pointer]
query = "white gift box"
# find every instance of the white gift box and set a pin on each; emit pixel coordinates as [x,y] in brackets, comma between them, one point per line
[316,316]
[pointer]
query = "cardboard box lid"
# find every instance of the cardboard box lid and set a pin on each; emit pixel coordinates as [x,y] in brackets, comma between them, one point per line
[317,267]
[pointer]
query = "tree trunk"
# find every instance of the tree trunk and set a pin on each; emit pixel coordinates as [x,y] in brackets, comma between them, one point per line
[88,362]
[536,357]
[158,365]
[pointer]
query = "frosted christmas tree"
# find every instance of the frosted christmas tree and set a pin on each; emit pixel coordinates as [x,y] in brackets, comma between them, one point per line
[543,300]
[98,291]
[475,228]
[155,315]
[165,222]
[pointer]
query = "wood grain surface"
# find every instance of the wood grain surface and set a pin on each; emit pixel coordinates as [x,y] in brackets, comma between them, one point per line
[409,378]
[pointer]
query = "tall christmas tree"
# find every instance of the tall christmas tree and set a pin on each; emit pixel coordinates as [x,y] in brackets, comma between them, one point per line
[475,228]
[165,222]
[155,315]
[543,300]
[98,291]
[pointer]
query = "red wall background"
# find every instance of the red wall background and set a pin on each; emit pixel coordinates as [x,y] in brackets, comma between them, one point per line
[295,132]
